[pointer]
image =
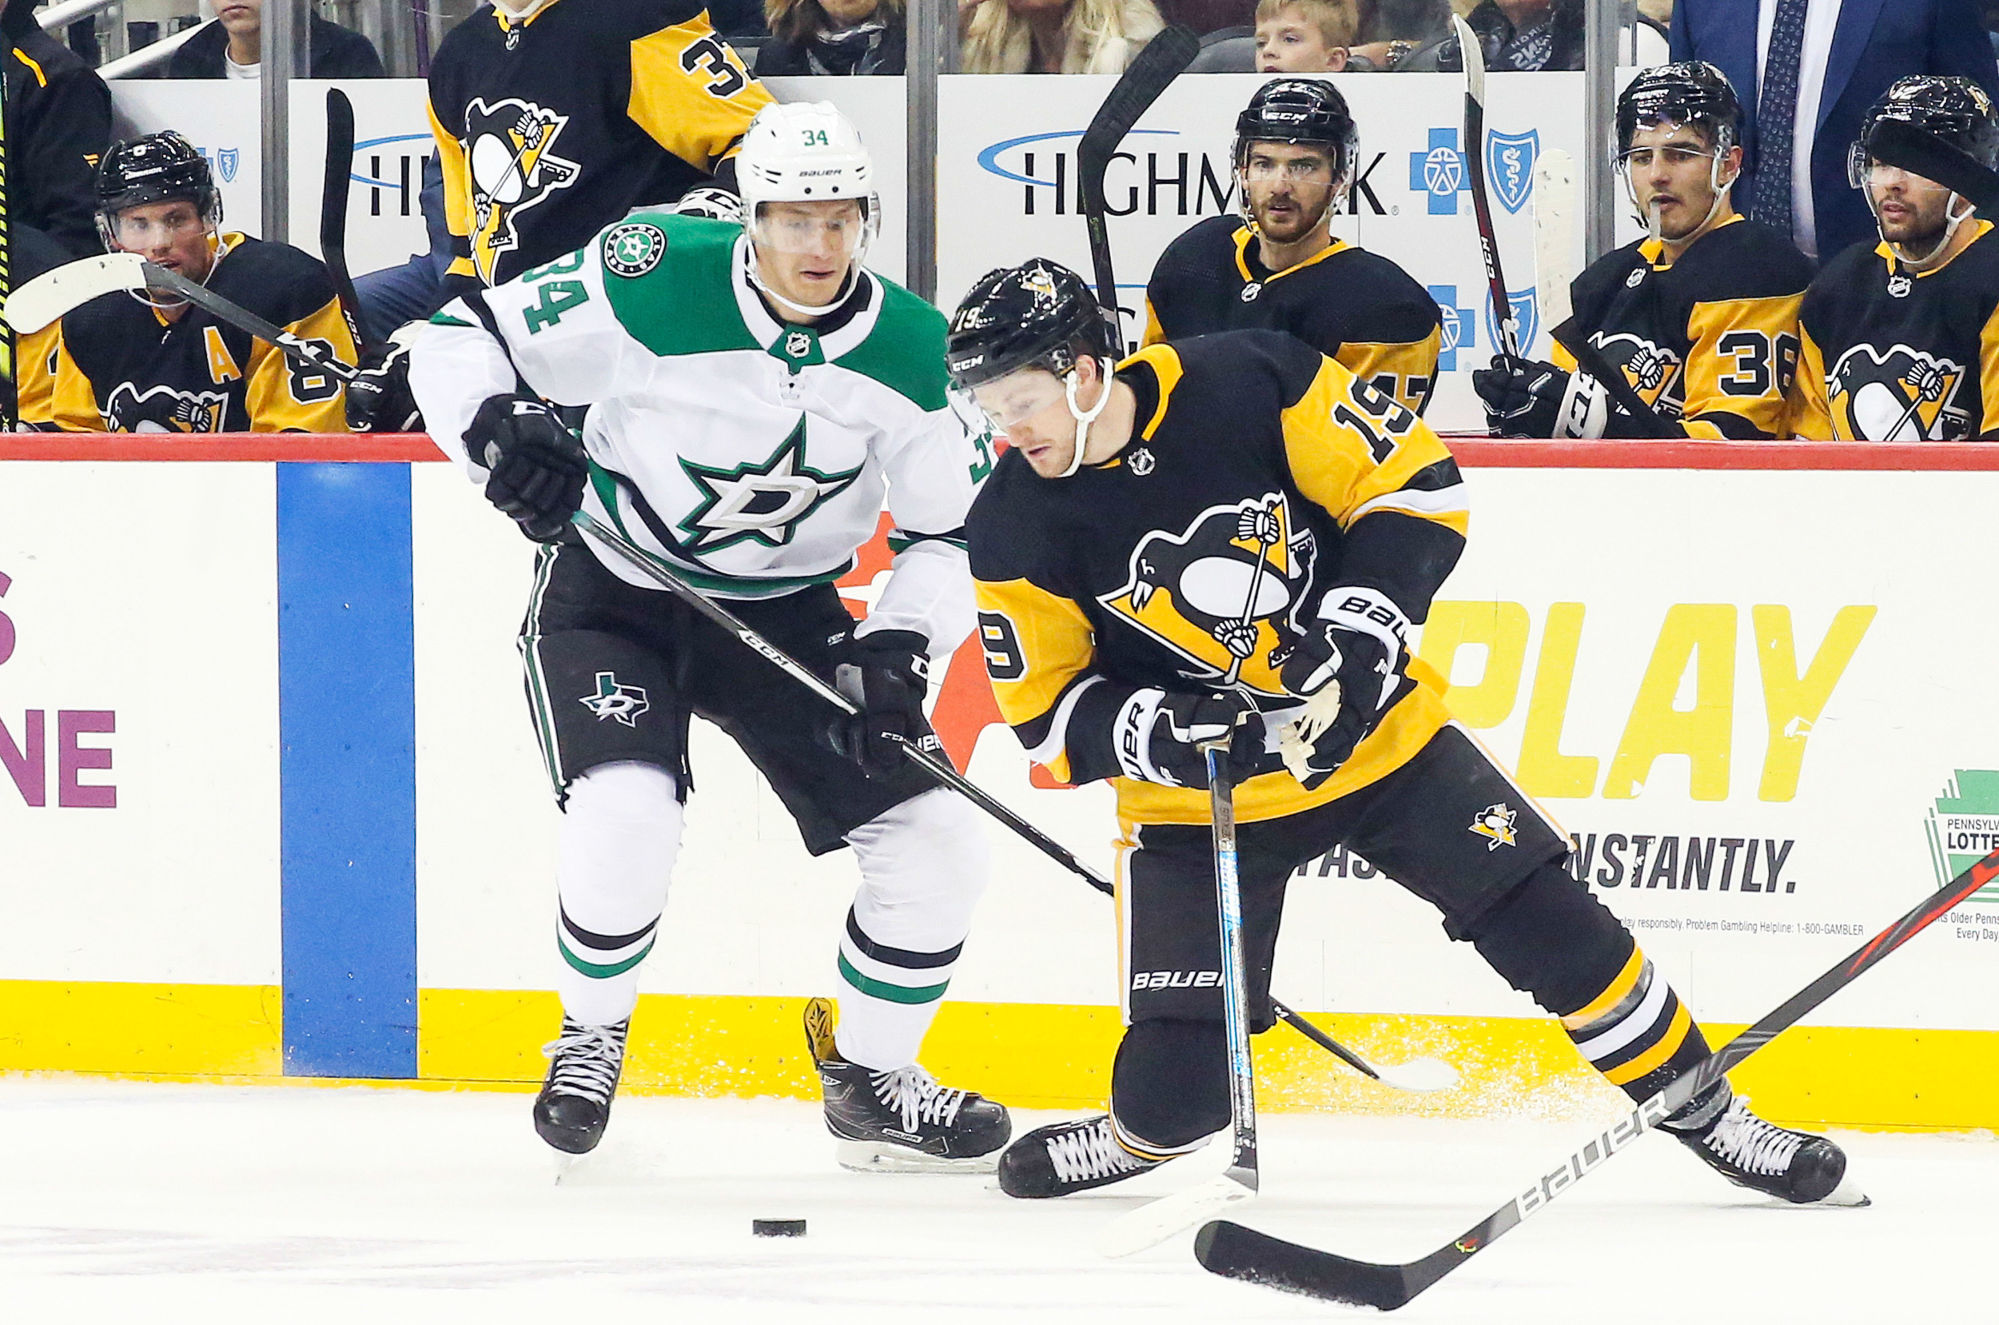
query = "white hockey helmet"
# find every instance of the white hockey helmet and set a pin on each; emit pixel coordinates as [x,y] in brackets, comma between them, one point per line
[805,151]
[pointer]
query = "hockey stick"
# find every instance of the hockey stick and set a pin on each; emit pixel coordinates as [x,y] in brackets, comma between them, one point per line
[1162,60]
[333,208]
[1424,1074]
[1554,232]
[1158,1220]
[54,294]
[1481,204]
[1241,1253]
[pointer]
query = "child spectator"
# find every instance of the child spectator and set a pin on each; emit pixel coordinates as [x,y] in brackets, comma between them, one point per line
[1304,36]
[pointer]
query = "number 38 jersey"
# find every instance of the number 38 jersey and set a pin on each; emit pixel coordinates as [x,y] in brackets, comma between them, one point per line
[119,366]
[1135,576]
[1710,340]
[1892,355]
[552,127]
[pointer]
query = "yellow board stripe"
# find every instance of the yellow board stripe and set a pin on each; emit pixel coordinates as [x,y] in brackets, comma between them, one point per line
[1676,1035]
[1032,1056]
[1612,993]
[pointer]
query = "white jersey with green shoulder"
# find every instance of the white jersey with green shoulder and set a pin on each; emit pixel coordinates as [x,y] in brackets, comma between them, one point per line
[751,456]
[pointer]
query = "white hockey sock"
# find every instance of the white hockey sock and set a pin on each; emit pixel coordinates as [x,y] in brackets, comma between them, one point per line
[614,854]
[923,867]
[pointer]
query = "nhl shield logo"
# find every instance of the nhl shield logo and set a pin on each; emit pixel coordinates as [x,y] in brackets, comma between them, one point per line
[1509,165]
[1526,311]
[227,159]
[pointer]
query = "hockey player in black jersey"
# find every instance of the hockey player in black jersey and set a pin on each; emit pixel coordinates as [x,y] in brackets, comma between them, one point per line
[1201,539]
[1278,265]
[1901,339]
[1700,317]
[153,363]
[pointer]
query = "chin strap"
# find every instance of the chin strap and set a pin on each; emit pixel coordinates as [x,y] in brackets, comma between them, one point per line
[1650,217]
[1952,220]
[1084,418]
[222,248]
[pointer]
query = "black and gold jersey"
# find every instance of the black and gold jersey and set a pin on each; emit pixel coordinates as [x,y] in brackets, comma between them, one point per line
[1709,341]
[1893,355]
[1127,576]
[120,366]
[1352,305]
[552,127]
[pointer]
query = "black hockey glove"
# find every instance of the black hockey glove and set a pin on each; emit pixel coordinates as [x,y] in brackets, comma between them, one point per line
[1347,667]
[1178,725]
[1528,398]
[717,204]
[379,399]
[536,466]
[887,673]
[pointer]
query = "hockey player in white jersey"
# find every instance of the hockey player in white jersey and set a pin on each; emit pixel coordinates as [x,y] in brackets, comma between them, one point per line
[753,394]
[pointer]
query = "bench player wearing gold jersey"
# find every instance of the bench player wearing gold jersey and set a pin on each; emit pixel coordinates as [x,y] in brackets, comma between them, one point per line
[151,362]
[1278,265]
[1901,338]
[1700,317]
[1215,530]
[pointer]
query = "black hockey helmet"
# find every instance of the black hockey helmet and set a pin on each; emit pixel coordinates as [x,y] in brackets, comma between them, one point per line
[1300,110]
[1955,110]
[1039,314]
[159,167]
[1688,92]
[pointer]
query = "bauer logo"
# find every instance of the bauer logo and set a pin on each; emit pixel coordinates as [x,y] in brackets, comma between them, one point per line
[1439,170]
[1175,980]
[1509,166]
[1963,826]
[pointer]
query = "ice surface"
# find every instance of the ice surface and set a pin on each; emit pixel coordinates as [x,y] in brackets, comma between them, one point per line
[134,1202]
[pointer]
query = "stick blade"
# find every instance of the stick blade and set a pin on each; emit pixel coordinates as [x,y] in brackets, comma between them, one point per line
[1234,1252]
[1554,233]
[1155,1221]
[50,296]
[1474,59]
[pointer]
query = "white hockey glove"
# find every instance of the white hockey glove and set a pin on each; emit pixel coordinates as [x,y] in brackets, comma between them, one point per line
[1529,398]
[1160,734]
[1347,667]
[712,201]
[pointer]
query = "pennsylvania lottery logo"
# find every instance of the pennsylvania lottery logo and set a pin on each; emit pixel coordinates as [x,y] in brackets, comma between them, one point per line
[1963,826]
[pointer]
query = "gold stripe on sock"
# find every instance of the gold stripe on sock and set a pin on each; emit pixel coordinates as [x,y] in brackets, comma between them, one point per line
[1669,1044]
[1614,991]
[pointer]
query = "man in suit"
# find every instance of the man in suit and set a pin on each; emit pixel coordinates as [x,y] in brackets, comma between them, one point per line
[1807,71]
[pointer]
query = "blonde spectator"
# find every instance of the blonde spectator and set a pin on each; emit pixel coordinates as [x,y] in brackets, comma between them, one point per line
[1304,36]
[1055,36]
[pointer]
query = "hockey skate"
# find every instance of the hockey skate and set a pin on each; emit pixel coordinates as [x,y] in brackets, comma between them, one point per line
[901,1121]
[1791,1166]
[1067,1157]
[575,1099]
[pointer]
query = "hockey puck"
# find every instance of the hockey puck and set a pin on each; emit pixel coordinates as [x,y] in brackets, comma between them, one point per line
[778,1228]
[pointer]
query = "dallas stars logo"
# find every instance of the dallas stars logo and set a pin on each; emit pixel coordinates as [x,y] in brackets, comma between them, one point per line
[612,700]
[762,501]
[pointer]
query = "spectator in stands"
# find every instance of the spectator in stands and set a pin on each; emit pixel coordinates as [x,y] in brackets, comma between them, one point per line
[233,47]
[1055,36]
[1203,17]
[1388,31]
[1807,71]
[59,124]
[833,37]
[395,295]
[1524,36]
[1303,36]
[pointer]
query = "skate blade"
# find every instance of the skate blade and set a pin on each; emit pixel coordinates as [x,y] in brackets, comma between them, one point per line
[1845,1196]
[567,1164]
[874,1157]
[1156,1221]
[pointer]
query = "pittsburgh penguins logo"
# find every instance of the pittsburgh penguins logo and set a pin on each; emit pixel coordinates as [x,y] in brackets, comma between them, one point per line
[1221,592]
[1653,371]
[509,152]
[163,409]
[1898,395]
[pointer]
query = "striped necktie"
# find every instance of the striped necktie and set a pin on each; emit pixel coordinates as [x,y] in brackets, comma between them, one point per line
[1776,116]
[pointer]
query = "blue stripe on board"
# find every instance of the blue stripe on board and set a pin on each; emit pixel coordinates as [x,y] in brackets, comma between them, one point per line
[347,732]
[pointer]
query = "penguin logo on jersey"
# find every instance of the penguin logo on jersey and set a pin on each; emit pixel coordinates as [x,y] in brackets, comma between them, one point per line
[1495,824]
[1652,370]
[163,409]
[1221,592]
[509,153]
[621,703]
[1898,395]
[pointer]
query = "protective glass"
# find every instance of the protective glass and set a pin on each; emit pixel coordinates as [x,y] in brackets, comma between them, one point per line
[840,231]
[1642,159]
[1017,396]
[1261,169]
[136,231]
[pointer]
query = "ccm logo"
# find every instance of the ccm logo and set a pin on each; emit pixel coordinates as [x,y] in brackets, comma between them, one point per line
[1176,979]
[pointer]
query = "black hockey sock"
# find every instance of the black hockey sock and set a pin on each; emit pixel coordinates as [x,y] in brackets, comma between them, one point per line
[1170,1086]
[1552,939]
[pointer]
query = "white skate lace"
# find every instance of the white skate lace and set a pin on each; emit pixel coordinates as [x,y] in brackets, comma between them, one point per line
[1089,1151]
[917,1095]
[1750,1143]
[587,1059]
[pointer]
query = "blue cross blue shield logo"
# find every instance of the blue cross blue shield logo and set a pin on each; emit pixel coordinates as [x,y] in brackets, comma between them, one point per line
[1460,327]
[1526,313]
[1439,171]
[227,159]
[1509,165]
